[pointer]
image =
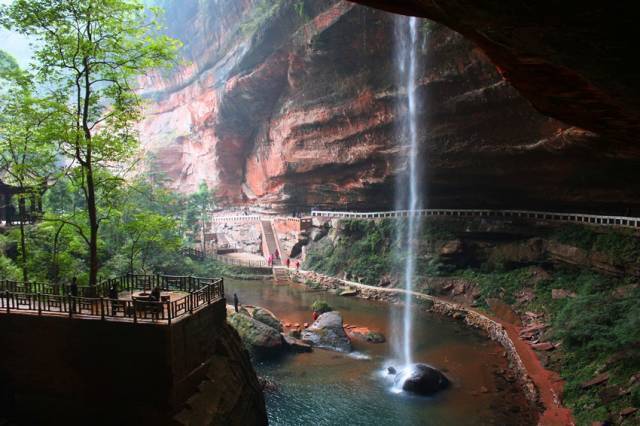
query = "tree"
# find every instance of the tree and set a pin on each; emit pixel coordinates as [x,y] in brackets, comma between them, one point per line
[200,204]
[94,50]
[29,128]
[150,231]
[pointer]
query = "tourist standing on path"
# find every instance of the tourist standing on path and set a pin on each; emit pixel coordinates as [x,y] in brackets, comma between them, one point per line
[73,291]
[113,295]
[288,262]
[235,302]
[298,265]
[277,256]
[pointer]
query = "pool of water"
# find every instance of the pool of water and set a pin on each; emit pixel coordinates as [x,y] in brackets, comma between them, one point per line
[329,388]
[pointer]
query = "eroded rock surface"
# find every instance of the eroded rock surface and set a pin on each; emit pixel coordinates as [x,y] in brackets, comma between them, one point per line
[327,332]
[279,109]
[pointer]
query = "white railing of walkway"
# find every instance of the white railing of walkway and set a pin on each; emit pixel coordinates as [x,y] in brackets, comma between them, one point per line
[579,218]
[235,218]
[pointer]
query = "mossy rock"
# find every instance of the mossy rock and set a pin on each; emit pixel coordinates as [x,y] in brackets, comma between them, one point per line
[258,337]
[321,306]
[375,337]
[267,318]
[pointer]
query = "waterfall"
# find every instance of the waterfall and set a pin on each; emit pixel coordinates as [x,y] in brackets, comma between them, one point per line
[409,187]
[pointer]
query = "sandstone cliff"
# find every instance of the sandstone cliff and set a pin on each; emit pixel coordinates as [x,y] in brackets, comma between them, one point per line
[292,104]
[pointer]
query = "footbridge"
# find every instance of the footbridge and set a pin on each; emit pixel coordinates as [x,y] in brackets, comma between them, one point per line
[577,218]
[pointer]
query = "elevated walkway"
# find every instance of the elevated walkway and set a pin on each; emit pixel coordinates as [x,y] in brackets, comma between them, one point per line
[577,218]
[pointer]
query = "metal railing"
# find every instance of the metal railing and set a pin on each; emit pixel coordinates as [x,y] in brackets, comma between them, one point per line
[45,301]
[578,218]
[235,218]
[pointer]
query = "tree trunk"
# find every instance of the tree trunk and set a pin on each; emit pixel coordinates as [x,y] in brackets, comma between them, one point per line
[23,245]
[93,227]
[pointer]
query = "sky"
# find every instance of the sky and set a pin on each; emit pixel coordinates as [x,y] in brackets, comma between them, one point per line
[16,44]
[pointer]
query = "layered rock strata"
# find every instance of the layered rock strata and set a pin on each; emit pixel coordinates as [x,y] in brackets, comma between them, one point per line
[293,104]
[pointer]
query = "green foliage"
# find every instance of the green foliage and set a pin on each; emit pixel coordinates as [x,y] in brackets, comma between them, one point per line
[369,249]
[615,244]
[89,54]
[321,306]
[299,7]
[499,284]
[261,13]
[9,67]
[602,322]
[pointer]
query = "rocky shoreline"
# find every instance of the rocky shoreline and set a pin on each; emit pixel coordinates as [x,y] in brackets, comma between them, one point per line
[494,330]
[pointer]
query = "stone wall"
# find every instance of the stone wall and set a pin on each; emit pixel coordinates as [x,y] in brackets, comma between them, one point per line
[473,318]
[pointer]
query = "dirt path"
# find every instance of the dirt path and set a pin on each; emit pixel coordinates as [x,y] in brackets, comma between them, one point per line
[549,383]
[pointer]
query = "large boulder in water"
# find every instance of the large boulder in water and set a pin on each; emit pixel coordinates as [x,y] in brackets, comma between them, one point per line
[328,332]
[258,337]
[423,380]
[267,317]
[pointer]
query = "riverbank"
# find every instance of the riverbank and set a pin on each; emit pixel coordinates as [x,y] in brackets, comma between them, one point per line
[541,386]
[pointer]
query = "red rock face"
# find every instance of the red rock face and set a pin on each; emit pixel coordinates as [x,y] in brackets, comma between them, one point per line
[571,60]
[290,111]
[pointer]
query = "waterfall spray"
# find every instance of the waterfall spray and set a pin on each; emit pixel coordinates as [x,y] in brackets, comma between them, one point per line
[409,191]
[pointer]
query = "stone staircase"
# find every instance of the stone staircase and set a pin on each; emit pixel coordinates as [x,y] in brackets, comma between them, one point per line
[280,273]
[270,239]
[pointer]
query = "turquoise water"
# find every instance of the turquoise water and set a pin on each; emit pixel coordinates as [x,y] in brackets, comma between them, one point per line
[328,388]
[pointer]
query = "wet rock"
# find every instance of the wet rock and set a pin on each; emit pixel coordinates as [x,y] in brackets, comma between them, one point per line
[364,334]
[349,292]
[423,380]
[267,317]
[328,332]
[295,334]
[458,315]
[267,385]
[391,370]
[258,337]
[296,345]
[628,411]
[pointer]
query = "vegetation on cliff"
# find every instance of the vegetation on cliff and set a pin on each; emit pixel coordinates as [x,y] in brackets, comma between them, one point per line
[594,323]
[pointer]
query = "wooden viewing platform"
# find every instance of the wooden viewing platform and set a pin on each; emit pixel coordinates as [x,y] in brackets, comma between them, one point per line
[187,295]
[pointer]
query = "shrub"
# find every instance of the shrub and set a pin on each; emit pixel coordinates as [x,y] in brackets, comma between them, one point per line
[321,306]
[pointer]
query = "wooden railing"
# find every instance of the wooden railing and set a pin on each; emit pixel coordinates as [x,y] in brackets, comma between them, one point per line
[49,299]
[578,218]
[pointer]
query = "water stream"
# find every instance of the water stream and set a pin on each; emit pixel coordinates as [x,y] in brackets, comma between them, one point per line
[409,186]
